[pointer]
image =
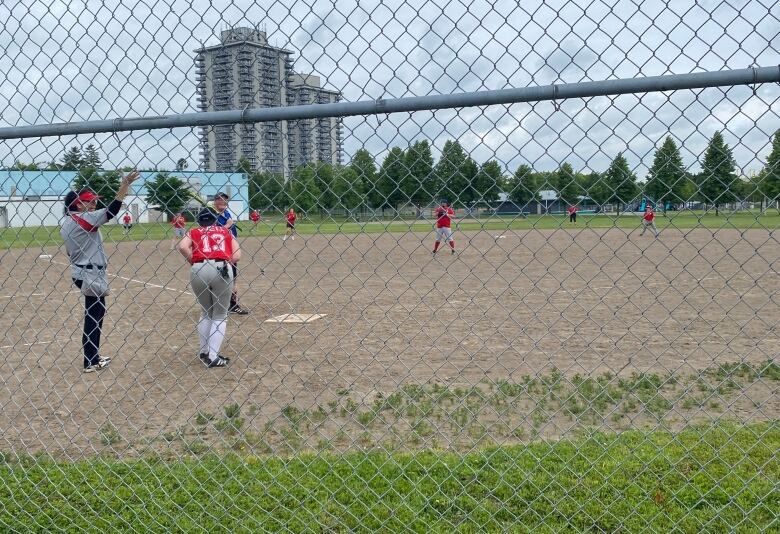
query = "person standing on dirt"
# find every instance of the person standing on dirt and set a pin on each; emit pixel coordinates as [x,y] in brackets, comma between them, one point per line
[212,250]
[225,218]
[84,245]
[290,230]
[127,222]
[179,223]
[444,215]
[648,219]
[254,216]
[572,214]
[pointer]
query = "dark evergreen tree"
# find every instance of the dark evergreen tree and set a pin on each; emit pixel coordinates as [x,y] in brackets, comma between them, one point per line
[718,179]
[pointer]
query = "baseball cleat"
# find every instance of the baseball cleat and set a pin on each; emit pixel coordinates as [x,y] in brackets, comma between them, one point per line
[204,357]
[238,310]
[101,364]
[219,361]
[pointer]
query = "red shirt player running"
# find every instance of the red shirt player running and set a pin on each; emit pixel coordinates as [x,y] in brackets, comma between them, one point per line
[444,215]
[290,225]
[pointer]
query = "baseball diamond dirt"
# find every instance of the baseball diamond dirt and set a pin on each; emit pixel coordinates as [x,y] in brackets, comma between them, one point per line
[577,302]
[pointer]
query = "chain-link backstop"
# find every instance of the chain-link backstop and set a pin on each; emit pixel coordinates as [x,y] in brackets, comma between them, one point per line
[593,348]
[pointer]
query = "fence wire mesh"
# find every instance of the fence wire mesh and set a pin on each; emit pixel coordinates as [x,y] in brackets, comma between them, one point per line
[593,347]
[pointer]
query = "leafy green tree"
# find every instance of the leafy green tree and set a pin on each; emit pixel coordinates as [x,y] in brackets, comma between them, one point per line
[667,177]
[465,183]
[391,174]
[302,189]
[449,172]
[753,190]
[243,166]
[522,186]
[323,179]
[565,181]
[266,191]
[717,180]
[590,184]
[418,183]
[105,185]
[347,188]
[91,157]
[168,194]
[19,166]
[489,181]
[365,168]
[619,183]
[769,177]
[72,160]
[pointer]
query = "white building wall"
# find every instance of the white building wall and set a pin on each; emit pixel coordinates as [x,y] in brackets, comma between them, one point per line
[48,211]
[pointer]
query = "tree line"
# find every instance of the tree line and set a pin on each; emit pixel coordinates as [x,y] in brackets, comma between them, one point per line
[405,177]
[412,176]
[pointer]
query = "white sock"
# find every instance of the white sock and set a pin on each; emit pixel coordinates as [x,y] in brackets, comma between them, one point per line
[204,331]
[218,329]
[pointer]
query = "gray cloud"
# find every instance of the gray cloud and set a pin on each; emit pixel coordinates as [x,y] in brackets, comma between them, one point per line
[76,60]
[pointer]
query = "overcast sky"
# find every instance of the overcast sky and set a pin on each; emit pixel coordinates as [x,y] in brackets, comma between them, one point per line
[79,60]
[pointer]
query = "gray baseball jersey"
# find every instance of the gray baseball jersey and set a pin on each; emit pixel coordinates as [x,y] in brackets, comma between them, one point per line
[83,242]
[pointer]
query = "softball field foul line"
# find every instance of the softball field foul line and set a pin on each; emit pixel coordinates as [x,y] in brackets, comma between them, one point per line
[26,344]
[23,295]
[134,280]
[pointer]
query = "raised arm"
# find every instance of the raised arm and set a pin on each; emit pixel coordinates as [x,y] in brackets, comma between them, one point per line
[124,188]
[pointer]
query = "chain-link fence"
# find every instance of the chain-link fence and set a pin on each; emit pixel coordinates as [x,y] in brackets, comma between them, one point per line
[503,266]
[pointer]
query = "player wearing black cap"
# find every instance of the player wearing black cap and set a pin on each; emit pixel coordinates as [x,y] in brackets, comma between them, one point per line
[212,251]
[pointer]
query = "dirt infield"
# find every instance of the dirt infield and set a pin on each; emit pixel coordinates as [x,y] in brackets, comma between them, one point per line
[579,301]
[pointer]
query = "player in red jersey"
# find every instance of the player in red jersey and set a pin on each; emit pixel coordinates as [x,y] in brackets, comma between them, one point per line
[254,216]
[211,250]
[649,220]
[572,214]
[127,222]
[178,222]
[444,215]
[290,231]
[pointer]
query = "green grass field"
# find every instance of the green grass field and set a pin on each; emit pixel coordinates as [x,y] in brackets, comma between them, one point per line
[770,220]
[720,478]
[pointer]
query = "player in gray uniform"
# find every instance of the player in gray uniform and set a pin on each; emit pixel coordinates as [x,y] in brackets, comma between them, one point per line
[84,245]
[212,251]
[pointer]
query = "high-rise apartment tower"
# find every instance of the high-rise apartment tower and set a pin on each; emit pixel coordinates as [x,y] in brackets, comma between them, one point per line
[245,71]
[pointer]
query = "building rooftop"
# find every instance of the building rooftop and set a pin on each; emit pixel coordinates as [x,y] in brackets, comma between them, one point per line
[57,183]
[242,35]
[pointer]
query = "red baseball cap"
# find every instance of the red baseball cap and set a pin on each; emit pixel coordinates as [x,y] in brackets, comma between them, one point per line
[87,196]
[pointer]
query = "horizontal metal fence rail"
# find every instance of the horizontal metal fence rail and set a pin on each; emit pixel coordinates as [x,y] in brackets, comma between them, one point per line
[670,82]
